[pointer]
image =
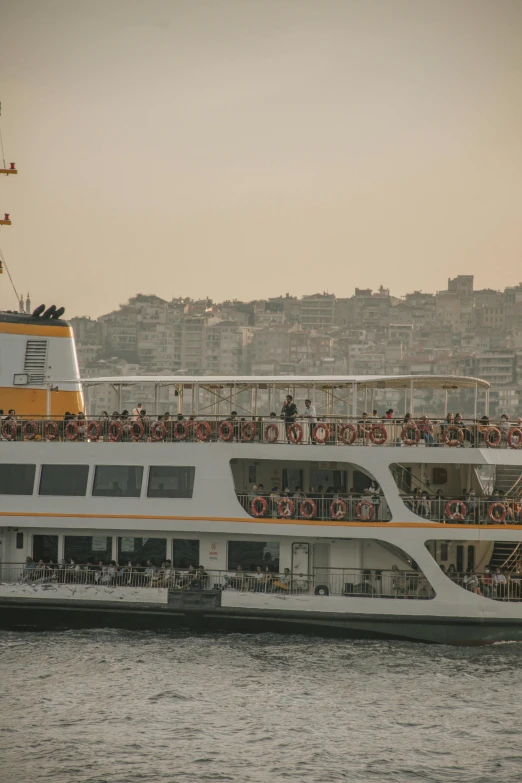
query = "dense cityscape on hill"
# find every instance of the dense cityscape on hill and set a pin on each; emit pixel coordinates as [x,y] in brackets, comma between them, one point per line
[456,331]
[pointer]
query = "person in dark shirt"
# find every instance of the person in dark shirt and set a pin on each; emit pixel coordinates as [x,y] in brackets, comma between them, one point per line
[289,413]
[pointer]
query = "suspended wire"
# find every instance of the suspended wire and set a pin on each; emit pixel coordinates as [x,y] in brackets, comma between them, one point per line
[1,139]
[2,145]
[4,264]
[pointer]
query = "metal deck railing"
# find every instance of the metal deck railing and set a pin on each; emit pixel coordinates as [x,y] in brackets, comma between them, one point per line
[328,430]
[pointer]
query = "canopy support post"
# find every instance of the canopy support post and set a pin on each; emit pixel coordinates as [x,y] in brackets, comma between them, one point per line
[475,401]
[412,401]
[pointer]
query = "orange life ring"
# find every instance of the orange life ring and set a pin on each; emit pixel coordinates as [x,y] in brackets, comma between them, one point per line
[158,431]
[180,431]
[71,430]
[379,428]
[492,443]
[115,430]
[459,435]
[491,510]
[404,435]
[30,430]
[226,430]
[248,431]
[359,508]
[294,432]
[285,507]
[460,510]
[321,426]
[514,432]
[352,437]
[272,433]
[93,430]
[338,509]
[256,511]
[203,430]
[9,430]
[311,513]
[51,430]
[137,435]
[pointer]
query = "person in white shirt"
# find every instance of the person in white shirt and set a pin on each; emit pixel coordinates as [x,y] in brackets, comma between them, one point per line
[310,415]
[136,413]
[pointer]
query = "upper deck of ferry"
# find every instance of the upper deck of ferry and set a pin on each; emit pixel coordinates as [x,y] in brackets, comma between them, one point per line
[329,410]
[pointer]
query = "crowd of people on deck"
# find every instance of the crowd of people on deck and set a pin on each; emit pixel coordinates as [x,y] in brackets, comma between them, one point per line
[291,503]
[291,425]
[133,574]
[494,508]
[498,583]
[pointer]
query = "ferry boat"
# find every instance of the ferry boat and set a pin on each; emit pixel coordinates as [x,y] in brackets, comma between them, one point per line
[237,511]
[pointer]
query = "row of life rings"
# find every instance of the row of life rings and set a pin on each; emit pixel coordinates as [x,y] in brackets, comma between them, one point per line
[457,510]
[347,433]
[308,508]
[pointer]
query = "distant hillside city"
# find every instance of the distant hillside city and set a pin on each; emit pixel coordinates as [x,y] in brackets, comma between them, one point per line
[457,331]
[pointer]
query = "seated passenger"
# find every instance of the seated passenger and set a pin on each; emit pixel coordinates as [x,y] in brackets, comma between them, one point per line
[282,582]
[500,583]
[259,580]
[239,579]
[487,582]
[166,575]
[471,582]
[425,428]
[29,568]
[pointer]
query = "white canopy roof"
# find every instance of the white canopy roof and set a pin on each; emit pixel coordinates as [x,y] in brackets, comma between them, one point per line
[450,382]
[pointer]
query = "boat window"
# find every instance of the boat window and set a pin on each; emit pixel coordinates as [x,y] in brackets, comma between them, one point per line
[84,548]
[251,554]
[45,548]
[17,479]
[64,480]
[186,552]
[170,481]
[139,550]
[19,540]
[115,481]
[328,478]
[292,478]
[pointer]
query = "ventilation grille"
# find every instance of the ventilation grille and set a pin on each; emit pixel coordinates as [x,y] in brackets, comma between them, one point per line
[35,360]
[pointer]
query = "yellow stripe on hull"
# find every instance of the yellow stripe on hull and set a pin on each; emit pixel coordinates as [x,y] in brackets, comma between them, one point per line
[37,329]
[33,402]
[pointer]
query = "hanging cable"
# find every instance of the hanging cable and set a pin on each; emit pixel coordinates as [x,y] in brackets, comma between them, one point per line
[1,139]
[4,264]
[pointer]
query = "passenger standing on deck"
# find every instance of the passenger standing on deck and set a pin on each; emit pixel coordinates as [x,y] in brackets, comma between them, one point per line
[310,415]
[289,413]
[136,413]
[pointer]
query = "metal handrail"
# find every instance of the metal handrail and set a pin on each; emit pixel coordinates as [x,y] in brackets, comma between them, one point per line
[458,509]
[326,506]
[326,430]
[349,582]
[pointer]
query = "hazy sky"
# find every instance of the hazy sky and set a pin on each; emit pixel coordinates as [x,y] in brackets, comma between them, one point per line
[245,148]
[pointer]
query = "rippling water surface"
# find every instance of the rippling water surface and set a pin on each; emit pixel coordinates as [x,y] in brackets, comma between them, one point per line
[118,707]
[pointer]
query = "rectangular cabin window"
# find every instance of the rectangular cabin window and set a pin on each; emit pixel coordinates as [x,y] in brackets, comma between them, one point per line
[139,550]
[17,479]
[251,554]
[19,540]
[443,552]
[45,548]
[88,548]
[113,481]
[170,481]
[64,480]
[186,552]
